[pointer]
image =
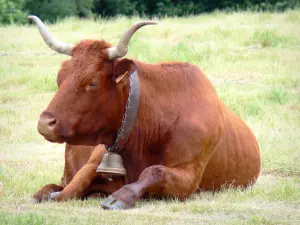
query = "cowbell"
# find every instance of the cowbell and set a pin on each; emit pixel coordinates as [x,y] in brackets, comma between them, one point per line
[112,163]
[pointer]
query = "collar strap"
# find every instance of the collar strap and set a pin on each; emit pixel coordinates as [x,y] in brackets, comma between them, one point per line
[129,116]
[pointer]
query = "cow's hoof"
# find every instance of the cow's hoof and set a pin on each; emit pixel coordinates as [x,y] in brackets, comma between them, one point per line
[54,195]
[35,200]
[38,199]
[110,203]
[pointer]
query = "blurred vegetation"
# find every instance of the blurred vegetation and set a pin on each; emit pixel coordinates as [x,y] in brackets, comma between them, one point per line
[15,11]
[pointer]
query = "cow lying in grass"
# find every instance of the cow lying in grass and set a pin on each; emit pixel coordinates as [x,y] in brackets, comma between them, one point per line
[166,121]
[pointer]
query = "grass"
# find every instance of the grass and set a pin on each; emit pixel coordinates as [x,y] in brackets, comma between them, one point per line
[252,60]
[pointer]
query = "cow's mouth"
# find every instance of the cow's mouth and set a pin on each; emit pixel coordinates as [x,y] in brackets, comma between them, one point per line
[52,136]
[55,139]
[91,139]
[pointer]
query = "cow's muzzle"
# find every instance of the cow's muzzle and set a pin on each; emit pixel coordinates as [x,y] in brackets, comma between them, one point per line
[48,126]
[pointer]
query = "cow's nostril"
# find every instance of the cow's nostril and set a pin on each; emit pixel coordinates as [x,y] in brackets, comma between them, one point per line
[47,124]
[52,122]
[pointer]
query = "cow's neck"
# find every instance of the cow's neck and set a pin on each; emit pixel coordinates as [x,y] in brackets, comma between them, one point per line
[131,109]
[147,138]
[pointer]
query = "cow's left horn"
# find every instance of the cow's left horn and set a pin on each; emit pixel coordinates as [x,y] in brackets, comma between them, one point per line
[121,49]
[51,41]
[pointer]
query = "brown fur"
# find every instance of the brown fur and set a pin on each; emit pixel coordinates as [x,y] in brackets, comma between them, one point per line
[80,179]
[184,138]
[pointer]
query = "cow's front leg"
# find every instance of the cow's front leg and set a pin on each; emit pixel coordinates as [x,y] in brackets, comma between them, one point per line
[81,182]
[44,193]
[157,181]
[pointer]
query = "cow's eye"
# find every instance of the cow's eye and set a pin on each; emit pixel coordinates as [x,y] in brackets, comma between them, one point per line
[93,84]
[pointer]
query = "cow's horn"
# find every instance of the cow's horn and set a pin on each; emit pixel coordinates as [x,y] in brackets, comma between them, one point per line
[51,41]
[121,49]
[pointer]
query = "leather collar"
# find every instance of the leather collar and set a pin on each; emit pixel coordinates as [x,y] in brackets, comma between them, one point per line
[129,116]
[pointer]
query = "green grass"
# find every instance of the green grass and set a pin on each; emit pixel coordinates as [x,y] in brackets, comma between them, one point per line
[253,60]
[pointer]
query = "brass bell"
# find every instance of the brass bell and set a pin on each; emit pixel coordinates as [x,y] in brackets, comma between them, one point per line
[112,163]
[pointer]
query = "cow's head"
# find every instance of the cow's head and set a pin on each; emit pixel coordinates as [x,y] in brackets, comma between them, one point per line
[92,90]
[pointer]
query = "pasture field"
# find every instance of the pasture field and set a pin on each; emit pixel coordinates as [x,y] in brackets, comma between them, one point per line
[253,60]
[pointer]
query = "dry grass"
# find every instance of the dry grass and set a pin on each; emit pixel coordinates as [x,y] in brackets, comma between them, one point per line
[253,61]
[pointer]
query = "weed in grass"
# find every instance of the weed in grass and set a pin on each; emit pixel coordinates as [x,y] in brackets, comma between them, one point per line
[278,96]
[270,38]
[259,220]
[199,209]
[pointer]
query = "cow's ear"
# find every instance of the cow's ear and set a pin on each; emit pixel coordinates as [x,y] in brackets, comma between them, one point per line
[122,70]
[122,77]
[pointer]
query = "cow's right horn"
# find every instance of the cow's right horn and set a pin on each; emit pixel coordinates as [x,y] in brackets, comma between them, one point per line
[122,47]
[51,41]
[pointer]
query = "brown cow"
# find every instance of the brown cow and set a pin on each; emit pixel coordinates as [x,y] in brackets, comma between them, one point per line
[80,179]
[173,132]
